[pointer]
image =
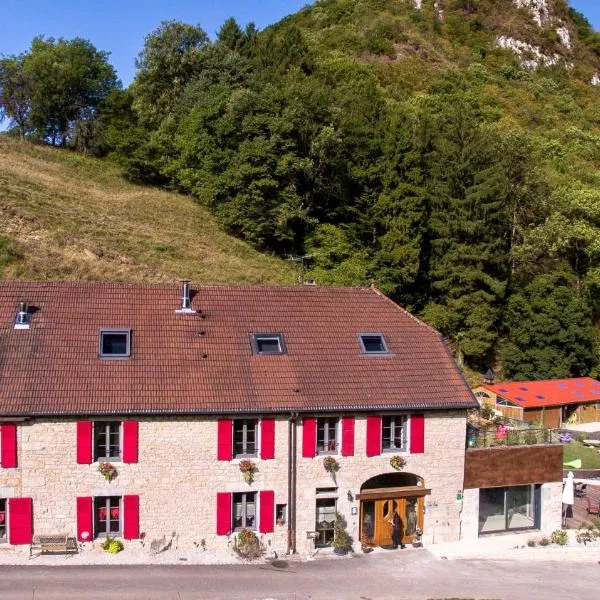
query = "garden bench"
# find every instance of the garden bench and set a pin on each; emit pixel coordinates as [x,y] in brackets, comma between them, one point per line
[55,543]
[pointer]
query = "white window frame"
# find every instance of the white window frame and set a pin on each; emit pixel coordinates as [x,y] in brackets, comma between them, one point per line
[115,331]
[256,438]
[244,504]
[362,335]
[98,535]
[255,338]
[107,459]
[405,433]
[337,436]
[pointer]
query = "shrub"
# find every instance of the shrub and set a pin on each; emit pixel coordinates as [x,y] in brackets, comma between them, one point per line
[559,537]
[112,545]
[341,538]
[544,541]
[247,545]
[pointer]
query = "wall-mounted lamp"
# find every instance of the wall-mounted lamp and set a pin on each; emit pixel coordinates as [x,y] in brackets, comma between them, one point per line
[350,496]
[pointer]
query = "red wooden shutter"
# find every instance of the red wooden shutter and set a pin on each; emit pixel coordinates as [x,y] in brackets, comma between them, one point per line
[417,434]
[85,516]
[266,523]
[131,517]
[224,439]
[84,442]
[8,445]
[373,436]
[20,520]
[223,513]
[309,438]
[267,438]
[347,436]
[130,441]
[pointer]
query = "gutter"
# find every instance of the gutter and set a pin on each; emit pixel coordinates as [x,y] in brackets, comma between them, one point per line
[292,449]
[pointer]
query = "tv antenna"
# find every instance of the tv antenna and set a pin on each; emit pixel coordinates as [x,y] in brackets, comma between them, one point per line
[300,261]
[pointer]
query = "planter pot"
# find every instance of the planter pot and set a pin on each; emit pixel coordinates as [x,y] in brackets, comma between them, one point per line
[366,549]
[340,551]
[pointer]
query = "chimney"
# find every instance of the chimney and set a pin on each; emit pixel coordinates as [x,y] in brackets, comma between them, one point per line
[23,318]
[186,301]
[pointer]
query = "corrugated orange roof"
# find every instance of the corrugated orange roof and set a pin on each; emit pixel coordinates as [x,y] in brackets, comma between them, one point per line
[202,363]
[548,392]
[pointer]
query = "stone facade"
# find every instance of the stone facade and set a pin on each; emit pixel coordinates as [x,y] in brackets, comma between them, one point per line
[178,476]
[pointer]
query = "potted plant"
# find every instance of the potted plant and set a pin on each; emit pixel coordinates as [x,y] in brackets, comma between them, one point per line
[331,465]
[397,462]
[108,470]
[341,538]
[248,468]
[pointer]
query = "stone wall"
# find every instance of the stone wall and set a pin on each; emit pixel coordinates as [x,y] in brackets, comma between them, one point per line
[178,476]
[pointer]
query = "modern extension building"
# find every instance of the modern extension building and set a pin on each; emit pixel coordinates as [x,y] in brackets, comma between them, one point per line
[127,410]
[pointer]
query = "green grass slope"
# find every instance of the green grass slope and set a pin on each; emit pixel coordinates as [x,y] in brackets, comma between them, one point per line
[66,216]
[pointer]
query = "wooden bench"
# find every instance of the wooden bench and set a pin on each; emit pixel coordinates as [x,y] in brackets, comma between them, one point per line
[53,543]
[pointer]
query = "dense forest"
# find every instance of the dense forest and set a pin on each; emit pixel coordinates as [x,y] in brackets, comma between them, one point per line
[380,141]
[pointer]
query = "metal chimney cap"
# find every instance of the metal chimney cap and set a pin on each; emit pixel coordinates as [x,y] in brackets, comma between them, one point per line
[186,301]
[23,318]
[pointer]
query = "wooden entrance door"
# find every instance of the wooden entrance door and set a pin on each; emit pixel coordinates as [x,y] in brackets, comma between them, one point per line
[377,514]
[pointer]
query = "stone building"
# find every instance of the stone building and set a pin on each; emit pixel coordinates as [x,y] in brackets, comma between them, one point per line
[131,411]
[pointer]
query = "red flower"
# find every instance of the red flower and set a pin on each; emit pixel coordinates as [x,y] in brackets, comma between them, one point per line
[102,514]
[114,513]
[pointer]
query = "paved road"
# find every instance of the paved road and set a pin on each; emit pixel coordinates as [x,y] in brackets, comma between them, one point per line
[401,576]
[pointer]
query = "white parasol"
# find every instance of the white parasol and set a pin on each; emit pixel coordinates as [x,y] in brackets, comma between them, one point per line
[568,496]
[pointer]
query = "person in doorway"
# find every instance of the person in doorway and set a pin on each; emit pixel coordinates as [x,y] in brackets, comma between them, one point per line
[397,530]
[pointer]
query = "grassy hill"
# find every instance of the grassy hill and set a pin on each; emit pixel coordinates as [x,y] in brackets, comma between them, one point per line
[66,216]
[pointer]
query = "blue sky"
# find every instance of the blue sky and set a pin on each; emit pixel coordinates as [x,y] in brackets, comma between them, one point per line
[119,26]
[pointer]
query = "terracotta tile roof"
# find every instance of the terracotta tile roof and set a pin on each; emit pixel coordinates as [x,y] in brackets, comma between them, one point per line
[202,363]
[548,392]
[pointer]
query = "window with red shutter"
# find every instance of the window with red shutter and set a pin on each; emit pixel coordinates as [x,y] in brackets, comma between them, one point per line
[224,439]
[266,522]
[8,445]
[373,436]
[267,439]
[20,520]
[347,436]
[309,438]
[417,434]
[130,441]
[131,517]
[85,514]
[224,513]
[84,442]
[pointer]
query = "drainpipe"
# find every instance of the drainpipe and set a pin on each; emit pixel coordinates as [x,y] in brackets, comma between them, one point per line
[292,447]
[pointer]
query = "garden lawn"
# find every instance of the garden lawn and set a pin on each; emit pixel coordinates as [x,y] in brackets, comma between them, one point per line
[590,458]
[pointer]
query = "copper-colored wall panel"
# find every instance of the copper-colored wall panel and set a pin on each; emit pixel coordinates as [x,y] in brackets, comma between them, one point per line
[513,465]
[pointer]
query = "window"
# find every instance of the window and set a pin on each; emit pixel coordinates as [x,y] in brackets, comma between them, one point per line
[107,440]
[244,511]
[280,514]
[373,343]
[107,516]
[508,508]
[393,432]
[3,519]
[245,437]
[115,343]
[267,343]
[327,435]
[326,506]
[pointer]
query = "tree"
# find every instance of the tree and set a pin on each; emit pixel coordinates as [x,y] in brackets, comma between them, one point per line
[15,93]
[171,58]
[550,332]
[69,81]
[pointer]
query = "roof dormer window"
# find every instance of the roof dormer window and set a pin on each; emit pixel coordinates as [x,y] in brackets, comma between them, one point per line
[373,343]
[267,343]
[115,343]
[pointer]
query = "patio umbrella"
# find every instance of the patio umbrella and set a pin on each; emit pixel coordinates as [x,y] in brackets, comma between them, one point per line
[568,496]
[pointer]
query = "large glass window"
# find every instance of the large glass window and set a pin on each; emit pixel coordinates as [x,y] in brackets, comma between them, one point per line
[244,511]
[107,516]
[327,436]
[3,504]
[107,440]
[393,432]
[507,508]
[244,437]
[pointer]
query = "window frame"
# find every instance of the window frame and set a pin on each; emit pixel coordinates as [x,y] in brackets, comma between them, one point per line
[95,432]
[96,521]
[324,497]
[245,503]
[326,440]
[405,432]
[245,454]
[364,350]
[4,524]
[114,331]
[255,338]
